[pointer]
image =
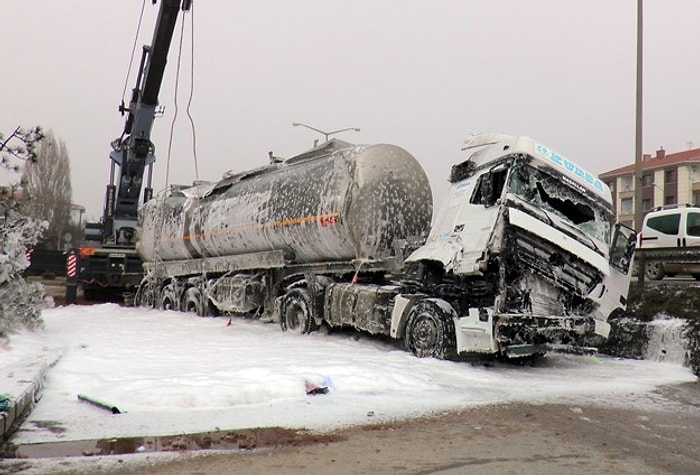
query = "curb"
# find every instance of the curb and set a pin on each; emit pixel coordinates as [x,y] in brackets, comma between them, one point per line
[671,339]
[22,403]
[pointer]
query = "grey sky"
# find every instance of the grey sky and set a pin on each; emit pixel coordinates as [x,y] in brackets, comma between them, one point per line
[419,74]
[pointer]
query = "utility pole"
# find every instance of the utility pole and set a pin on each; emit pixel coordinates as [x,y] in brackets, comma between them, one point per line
[638,127]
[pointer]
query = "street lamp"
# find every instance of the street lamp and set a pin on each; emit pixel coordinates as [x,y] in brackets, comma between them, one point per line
[325,134]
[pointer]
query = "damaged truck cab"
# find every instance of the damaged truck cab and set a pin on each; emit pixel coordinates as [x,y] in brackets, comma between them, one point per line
[523,256]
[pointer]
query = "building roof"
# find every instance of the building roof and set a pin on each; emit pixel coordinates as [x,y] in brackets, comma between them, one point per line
[660,160]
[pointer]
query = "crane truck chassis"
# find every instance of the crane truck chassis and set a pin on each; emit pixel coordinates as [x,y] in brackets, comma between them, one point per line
[522,258]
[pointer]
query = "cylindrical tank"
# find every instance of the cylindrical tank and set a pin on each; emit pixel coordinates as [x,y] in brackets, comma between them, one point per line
[352,203]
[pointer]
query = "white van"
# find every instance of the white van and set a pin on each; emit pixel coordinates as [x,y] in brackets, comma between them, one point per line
[672,226]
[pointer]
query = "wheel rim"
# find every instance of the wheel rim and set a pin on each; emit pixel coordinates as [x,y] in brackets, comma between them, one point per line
[654,270]
[425,335]
[295,317]
[168,303]
[168,298]
[193,301]
[145,297]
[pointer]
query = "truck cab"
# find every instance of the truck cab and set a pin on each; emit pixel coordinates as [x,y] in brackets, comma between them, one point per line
[525,249]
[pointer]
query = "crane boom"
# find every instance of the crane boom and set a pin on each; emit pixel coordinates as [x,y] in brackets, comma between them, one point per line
[133,151]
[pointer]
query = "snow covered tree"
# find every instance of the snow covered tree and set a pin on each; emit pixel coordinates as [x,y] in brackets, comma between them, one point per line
[48,187]
[20,302]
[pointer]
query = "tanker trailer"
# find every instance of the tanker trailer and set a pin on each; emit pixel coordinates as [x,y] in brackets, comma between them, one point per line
[333,214]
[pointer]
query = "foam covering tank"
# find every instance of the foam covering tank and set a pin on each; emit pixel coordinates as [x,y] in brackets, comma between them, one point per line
[346,203]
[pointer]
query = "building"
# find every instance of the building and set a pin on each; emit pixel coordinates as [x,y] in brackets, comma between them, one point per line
[667,178]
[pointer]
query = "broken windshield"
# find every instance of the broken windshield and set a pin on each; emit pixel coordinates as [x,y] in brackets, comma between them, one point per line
[557,198]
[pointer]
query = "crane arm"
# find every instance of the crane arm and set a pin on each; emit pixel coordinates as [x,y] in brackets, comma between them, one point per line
[134,150]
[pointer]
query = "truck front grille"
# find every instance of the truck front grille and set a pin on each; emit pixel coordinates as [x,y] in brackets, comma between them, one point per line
[561,268]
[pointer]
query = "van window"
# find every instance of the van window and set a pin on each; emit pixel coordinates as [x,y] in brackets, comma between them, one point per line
[693,224]
[665,224]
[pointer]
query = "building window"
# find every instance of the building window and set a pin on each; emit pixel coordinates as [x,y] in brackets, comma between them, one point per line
[648,179]
[670,200]
[611,185]
[626,206]
[626,183]
[696,198]
[646,204]
[670,176]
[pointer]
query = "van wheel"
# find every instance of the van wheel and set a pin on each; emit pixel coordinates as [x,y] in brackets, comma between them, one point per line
[296,312]
[655,270]
[430,332]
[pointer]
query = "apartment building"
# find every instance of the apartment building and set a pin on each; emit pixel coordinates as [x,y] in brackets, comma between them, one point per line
[667,178]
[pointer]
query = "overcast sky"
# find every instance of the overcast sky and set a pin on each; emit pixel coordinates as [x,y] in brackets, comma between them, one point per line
[419,74]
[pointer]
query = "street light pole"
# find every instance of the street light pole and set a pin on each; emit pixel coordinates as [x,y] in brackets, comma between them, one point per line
[325,134]
[638,127]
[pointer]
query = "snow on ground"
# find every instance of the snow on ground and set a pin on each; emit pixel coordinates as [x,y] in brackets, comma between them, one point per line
[173,373]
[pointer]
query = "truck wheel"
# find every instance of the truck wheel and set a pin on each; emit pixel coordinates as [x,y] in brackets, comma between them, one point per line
[144,296]
[430,332]
[655,270]
[297,315]
[193,302]
[168,300]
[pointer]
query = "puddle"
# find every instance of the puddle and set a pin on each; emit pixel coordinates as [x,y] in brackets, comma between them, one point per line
[238,440]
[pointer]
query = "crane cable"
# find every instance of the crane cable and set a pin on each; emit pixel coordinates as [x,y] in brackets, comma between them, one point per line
[189,102]
[160,216]
[133,50]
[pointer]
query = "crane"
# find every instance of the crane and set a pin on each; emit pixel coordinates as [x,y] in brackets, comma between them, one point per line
[114,267]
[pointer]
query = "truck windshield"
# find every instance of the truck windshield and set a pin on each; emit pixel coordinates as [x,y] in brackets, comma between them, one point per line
[556,197]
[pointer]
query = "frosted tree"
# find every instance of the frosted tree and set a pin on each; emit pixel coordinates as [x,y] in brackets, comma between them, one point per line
[20,302]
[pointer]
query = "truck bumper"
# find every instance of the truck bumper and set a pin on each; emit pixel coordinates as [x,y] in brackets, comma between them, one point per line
[521,335]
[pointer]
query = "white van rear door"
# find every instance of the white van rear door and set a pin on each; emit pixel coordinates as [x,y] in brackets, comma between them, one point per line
[692,229]
[661,231]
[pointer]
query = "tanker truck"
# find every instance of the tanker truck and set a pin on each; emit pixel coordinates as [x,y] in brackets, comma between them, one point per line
[523,256]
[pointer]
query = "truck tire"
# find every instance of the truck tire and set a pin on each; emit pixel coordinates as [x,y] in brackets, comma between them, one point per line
[430,332]
[655,270]
[145,296]
[194,302]
[297,312]
[168,299]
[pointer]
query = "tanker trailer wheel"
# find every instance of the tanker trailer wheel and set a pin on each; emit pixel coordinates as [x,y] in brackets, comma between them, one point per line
[654,270]
[430,332]
[194,302]
[296,312]
[145,296]
[168,298]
